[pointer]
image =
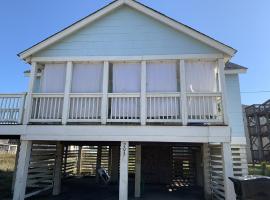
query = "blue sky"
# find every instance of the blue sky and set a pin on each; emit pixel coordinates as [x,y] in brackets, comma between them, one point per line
[241,24]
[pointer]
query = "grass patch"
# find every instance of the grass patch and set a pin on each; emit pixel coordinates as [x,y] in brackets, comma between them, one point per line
[7,163]
[259,169]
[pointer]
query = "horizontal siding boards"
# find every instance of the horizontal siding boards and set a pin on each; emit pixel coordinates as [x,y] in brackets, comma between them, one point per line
[126,32]
[216,172]
[235,113]
[240,165]
[41,168]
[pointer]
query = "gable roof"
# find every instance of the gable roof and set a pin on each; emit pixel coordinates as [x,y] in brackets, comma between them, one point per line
[137,6]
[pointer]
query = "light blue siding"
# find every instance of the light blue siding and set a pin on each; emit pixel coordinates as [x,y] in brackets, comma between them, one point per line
[234,106]
[126,32]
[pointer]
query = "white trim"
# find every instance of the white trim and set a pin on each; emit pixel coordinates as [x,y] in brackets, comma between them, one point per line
[235,71]
[196,134]
[239,141]
[166,20]
[126,58]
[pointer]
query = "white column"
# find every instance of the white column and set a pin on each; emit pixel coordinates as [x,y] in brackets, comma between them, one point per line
[138,171]
[143,93]
[15,167]
[183,108]
[207,190]
[79,161]
[228,171]
[104,103]
[58,169]
[123,182]
[28,102]
[22,170]
[221,66]
[67,91]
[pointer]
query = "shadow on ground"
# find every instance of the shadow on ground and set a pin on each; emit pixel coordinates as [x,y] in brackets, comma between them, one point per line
[85,188]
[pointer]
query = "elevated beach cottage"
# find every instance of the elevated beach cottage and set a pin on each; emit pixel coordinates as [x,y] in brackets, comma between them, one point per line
[132,91]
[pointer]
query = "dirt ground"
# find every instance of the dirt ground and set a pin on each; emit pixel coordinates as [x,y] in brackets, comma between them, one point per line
[87,189]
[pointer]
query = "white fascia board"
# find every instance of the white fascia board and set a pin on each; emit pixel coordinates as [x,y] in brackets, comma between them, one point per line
[235,71]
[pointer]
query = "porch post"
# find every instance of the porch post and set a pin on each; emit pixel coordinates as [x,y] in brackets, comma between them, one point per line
[228,171]
[58,169]
[207,190]
[123,183]
[221,66]
[143,93]
[67,91]
[138,171]
[79,161]
[115,163]
[98,165]
[15,167]
[28,102]
[183,98]
[104,103]
[22,170]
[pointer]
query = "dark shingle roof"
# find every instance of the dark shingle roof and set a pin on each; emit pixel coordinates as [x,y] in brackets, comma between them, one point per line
[233,66]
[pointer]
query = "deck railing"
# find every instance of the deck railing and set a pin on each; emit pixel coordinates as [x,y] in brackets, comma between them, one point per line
[204,107]
[119,107]
[11,108]
[47,107]
[163,107]
[124,107]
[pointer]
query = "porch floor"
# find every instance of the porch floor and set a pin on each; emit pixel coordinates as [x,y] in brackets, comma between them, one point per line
[85,188]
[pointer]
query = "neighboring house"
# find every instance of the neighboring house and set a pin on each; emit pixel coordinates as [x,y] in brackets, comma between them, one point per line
[248,150]
[258,125]
[139,92]
[8,146]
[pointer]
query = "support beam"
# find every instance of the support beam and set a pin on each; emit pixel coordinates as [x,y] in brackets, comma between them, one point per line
[138,171]
[22,170]
[98,165]
[79,161]
[207,190]
[183,109]
[58,169]
[28,102]
[104,103]
[15,167]
[123,182]
[115,164]
[143,93]
[67,91]
[228,171]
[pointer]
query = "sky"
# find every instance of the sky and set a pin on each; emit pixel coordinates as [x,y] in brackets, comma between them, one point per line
[242,24]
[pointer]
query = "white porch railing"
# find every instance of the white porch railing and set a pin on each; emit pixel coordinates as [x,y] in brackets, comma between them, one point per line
[204,107]
[11,108]
[163,107]
[124,107]
[47,107]
[84,108]
[160,107]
